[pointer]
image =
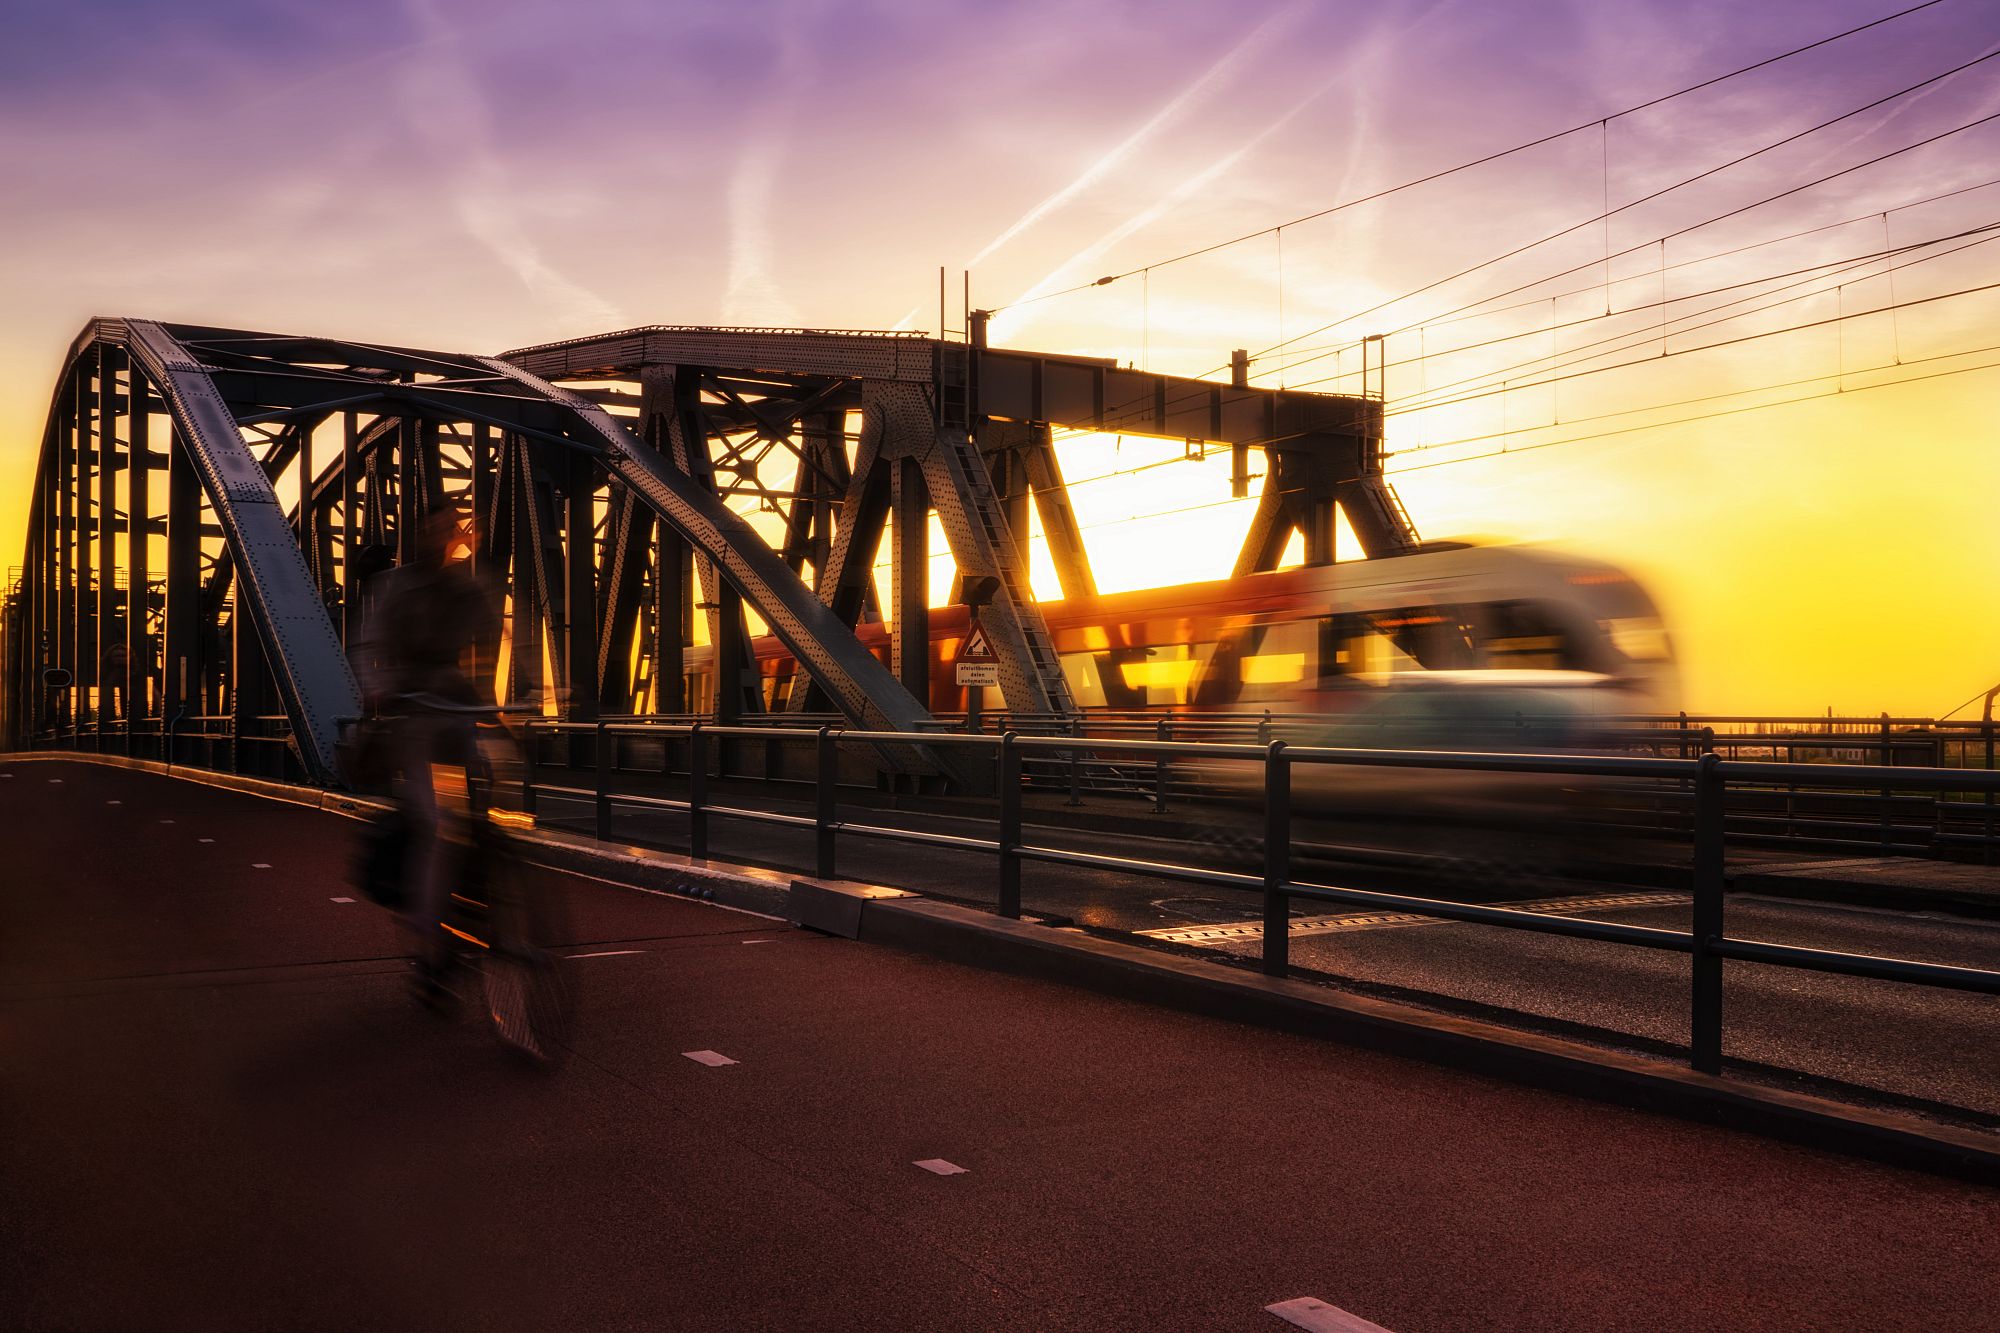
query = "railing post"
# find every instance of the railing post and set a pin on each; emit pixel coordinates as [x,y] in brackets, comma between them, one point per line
[1277,859]
[826,775]
[1888,805]
[697,792]
[1010,827]
[599,759]
[1987,848]
[1076,763]
[528,769]
[1162,730]
[1705,1008]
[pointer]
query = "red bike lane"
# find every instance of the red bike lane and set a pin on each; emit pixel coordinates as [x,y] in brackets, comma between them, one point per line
[219,1109]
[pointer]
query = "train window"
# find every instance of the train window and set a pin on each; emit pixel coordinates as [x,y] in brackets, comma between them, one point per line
[1639,638]
[1163,674]
[1528,636]
[1274,669]
[1086,683]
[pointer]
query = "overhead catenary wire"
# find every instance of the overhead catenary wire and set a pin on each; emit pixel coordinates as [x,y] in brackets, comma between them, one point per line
[1658,357]
[1846,263]
[1710,416]
[1660,240]
[1536,302]
[1656,194]
[1585,352]
[1619,432]
[1648,360]
[1842,374]
[1549,138]
[1672,235]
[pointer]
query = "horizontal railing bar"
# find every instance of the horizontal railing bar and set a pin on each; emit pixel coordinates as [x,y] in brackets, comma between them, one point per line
[1861,775]
[1944,975]
[1646,937]
[918,836]
[1161,869]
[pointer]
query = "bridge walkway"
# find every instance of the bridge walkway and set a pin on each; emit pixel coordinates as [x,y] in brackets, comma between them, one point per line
[219,1109]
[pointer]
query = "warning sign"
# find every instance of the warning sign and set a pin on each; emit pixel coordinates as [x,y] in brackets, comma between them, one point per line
[978,664]
[977,647]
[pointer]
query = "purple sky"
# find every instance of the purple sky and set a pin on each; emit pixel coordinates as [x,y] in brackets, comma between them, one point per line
[483,175]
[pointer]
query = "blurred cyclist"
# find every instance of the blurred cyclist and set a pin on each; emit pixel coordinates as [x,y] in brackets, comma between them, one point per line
[420,619]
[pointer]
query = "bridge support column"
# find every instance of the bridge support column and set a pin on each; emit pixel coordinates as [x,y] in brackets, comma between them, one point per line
[181,693]
[910,565]
[104,623]
[138,562]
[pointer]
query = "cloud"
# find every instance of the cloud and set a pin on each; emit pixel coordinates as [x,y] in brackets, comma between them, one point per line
[447,108]
[1368,51]
[754,295]
[1209,81]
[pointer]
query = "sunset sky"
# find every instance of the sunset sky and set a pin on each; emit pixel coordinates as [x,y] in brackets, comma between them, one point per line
[480,176]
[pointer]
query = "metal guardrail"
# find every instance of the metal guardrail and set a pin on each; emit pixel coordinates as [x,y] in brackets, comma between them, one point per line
[1708,777]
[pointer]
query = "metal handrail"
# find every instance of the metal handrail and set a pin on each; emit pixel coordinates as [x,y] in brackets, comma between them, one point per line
[1708,776]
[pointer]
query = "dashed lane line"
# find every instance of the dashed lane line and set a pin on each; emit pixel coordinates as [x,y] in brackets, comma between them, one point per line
[1315,1315]
[1234,931]
[937,1166]
[713,1059]
[605,953]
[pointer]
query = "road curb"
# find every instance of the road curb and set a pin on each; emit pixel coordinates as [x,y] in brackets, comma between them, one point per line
[1110,967]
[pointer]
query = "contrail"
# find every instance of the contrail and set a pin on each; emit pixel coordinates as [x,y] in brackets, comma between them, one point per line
[752,294]
[1216,75]
[1368,51]
[447,108]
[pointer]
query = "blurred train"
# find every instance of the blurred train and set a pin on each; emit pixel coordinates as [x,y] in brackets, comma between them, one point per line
[1311,640]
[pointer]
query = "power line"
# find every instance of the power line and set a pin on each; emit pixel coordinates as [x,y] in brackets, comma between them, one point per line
[1506,373]
[1688,351]
[1710,416]
[1478,162]
[1632,249]
[1688,402]
[1677,264]
[1680,184]
[1811,273]
[1672,235]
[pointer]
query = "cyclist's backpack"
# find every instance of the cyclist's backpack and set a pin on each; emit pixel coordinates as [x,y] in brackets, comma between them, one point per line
[381,864]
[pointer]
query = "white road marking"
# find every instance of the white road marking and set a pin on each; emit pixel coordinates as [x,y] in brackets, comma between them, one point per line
[343,900]
[166,821]
[756,941]
[937,1166]
[605,953]
[656,893]
[260,865]
[1309,1312]
[55,782]
[114,802]
[204,840]
[713,1059]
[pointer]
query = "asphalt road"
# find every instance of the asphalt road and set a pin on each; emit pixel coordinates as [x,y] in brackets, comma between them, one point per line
[219,1110]
[1875,1042]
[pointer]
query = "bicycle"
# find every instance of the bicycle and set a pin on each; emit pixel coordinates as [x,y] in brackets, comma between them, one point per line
[490,920]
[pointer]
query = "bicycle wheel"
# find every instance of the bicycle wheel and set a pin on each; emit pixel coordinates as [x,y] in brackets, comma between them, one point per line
[527,989]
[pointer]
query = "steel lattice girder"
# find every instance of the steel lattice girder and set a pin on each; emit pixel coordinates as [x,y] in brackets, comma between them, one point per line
[215,384]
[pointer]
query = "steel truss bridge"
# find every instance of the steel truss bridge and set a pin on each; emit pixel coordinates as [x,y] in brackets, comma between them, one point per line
[208,504]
